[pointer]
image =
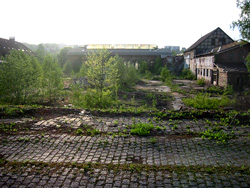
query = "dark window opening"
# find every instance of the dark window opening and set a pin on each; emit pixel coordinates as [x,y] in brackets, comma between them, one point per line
[213,42]
[239,81]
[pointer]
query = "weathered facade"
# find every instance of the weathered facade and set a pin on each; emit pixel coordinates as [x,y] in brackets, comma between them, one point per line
[204,45]
[225,65]
[221,65]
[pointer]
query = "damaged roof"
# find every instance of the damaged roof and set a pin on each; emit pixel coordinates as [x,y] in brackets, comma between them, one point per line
[233,67]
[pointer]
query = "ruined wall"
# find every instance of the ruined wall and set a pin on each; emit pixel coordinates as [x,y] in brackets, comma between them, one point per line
[234,56]
[238,80]
[189,61]
[135,59]
[174,63]
[222,78]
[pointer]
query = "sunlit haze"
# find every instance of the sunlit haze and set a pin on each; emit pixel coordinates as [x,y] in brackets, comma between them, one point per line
[79,22]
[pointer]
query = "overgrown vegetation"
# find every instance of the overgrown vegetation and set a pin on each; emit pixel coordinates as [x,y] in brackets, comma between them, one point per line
[205,101]
[105,76]
[187,74]
[141,129]
[20,80]
[201,82]
[25,80]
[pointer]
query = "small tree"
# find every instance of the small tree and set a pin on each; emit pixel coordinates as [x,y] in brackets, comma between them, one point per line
[20,79]
[102,74]
[98,69]
[158,66]
[127,73]
[41,52]
[166,75]
[143,66]
[52,81]
[62,56]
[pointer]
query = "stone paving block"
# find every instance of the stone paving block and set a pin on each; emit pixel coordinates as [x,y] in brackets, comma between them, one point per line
[169,149]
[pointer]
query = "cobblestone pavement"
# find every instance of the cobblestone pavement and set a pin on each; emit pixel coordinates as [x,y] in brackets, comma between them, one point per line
[170,157]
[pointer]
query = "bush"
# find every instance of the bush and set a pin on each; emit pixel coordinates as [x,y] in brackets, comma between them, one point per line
[204,101]
[142,129]
[166,75]
[92,99]
[187,74]
[215,89]
[20,80]
[228,90]
[201,82]
[52,82]
[127,73]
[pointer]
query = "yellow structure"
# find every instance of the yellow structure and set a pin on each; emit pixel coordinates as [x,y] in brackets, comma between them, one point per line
[121,46]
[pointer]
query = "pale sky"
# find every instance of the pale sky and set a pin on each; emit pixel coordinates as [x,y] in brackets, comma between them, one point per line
[79,22]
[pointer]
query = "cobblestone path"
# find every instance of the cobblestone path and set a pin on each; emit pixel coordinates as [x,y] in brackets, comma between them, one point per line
[44,156]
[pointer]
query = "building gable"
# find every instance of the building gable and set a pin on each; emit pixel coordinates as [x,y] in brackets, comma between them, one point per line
[209,41]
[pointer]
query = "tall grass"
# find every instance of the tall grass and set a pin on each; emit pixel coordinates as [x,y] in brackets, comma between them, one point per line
[204,101]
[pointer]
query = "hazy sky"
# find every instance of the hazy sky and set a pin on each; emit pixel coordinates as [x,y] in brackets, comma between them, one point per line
[160,22]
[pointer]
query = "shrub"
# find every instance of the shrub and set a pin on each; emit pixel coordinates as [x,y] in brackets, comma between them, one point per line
[204,101]
[166,75]
[20,80]
[228,90]
[52,82]
[92,99]
[142,129]
[187,74]
[127,74]
[215,89]
[201,82]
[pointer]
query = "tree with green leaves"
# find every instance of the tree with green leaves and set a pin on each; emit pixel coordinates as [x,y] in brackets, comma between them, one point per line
[52,82]
[62,56]
[20,79]
[99,69]
[127,73]
[101,72]
[158,65]
[40,52]
[166,75]
[243,23]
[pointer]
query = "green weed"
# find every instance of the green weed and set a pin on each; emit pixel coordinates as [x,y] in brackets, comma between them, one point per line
[219,136]
[204,101]
[152,140]
[79,131]
[201,82]
[141,129]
